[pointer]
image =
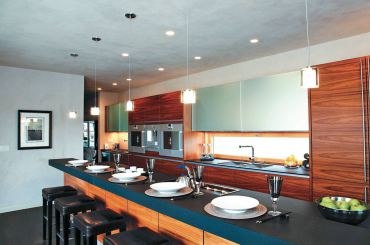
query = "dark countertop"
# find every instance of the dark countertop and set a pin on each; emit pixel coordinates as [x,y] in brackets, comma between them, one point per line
[305,226]
[272,169]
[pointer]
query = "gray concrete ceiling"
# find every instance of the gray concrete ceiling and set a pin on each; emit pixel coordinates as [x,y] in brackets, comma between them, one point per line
[41,34]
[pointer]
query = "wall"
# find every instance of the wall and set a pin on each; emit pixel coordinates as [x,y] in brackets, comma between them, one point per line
[105,99]
[294,60]
[25,172]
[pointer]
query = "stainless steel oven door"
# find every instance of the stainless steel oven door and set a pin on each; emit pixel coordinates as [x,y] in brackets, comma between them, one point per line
[152,137]
[171,140]
[136,138]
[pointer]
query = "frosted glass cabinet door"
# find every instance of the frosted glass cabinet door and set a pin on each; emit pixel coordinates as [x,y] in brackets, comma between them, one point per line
[117,120]
[275,103]
[123,118]
[217,108]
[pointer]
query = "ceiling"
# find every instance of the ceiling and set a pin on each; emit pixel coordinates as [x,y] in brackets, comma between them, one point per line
[42,34]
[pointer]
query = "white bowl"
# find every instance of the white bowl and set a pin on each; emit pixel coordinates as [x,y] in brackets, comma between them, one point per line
[77,162]
[235,204]
[126,176]
[167,187]
[122,169]
[97,168]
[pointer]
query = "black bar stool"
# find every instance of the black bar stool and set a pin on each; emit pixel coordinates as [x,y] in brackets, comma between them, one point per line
[95,223]
[140,236]
[66,206]
[48,196]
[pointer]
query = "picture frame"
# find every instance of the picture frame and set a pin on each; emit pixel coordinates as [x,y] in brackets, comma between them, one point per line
[34,129]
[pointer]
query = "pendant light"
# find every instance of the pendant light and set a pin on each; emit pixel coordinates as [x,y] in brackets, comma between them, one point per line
[309,75]
[188,96]
[129,103]
[94,111]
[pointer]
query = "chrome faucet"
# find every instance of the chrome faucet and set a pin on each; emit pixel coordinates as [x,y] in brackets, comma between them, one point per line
[249,146]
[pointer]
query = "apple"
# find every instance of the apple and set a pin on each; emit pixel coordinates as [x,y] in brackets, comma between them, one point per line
[343,205]
[328,205]
[358,208]
[354,202]
[326,199]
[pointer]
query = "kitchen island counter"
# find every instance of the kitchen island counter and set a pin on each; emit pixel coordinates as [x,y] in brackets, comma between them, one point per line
[305,226]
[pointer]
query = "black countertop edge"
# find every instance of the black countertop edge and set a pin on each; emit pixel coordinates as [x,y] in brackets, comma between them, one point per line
[167,207]
[274,169]
[305,226]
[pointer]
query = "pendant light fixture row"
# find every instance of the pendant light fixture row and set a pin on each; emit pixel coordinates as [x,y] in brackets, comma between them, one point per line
[188,96]
[94,111]
[129,104]
[309,75]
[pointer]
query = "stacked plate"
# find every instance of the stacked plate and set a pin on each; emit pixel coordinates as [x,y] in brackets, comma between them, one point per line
[127,177]
[168,189]
[76,163]
[235,207]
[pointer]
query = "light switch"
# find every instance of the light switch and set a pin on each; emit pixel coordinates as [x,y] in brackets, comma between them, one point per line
[4,148]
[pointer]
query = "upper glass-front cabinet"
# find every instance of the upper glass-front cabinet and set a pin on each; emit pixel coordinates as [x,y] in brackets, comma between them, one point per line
[116,118]
[268,104]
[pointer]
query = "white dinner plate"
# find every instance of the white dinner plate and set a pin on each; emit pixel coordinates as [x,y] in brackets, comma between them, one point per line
[97,168]
[167,187]
[126,176]
[77,162]
[235,204]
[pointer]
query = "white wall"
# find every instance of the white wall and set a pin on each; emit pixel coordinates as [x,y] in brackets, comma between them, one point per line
[23,173]
[294,60]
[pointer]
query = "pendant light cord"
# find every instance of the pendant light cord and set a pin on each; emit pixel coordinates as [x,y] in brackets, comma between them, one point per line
[308,36]
[95,69]
[187,45]
[129,61]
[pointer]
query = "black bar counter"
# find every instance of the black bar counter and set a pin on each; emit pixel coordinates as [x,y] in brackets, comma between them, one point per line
[305,225]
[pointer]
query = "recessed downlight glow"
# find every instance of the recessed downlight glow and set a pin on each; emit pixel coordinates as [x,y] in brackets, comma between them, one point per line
[129,79]
[160,69]
[125,54]
[254,40]
[170,33]
[99,89]
[197,57]
[114,84]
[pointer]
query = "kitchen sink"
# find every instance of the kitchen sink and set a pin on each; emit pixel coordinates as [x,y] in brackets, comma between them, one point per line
[251,164]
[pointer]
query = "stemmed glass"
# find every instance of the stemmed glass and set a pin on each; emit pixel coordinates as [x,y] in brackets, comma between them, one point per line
[198,177]
[117,160]
[150,167]
[275,183]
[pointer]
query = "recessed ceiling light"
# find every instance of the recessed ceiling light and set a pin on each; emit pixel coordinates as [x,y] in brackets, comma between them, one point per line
[128,79]
[114,84]
[197,57]
[170,33]
[74,55]
[254,40]
[125,54]
[160,69]
[99,89]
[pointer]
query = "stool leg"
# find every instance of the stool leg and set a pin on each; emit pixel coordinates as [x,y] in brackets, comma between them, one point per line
[57,226]
[91,240]
[43,219]
[50,221]
[108,233]
[77,236]
[65,229]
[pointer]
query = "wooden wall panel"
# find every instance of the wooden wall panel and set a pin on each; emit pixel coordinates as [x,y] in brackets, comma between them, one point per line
[151,109]
[76,183]
[192,140]
[168,167]
[180,232]
[326,187]
[211,239]
[116,203]
[171,108]
[138,161]
[141,216]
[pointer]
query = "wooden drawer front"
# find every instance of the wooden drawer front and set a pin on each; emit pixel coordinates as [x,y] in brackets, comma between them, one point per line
[96,193]
[168,167]
[141,216]
[180,232]
[211,239]
[137,161]
[324,187]
[76,183]
[171,108]
[212,175]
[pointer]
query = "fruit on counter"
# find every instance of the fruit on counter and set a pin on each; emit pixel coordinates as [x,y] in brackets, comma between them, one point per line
[291,161]
[352,204]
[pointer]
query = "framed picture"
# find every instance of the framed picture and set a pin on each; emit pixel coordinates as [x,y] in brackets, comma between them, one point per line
[34,129]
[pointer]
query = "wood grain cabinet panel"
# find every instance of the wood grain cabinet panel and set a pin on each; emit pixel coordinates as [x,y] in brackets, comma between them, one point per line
[211,239]
[169,167]
[180,232]
[337,156]
[150,111]
[138,161]
[137,115]
[171,108]
[76,183]
[116,203]
[141,216]
[96,193]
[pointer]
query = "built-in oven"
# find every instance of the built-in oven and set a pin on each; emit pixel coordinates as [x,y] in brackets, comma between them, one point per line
[136,138]
[171,140]
[152,137]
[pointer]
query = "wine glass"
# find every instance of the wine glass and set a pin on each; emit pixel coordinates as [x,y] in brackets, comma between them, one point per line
[198,176]
[275,183]
[150,167]
[117,160]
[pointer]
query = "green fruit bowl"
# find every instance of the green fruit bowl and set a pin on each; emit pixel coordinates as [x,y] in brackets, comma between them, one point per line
[353,217]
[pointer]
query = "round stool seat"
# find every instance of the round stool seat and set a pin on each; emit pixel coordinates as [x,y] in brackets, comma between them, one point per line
[98,222]
[140,236]
[55,192]
[74,204]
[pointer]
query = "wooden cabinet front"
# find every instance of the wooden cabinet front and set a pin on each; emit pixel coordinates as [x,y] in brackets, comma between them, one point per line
[141,216]
[171,108]
[337,121]
[211,239]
